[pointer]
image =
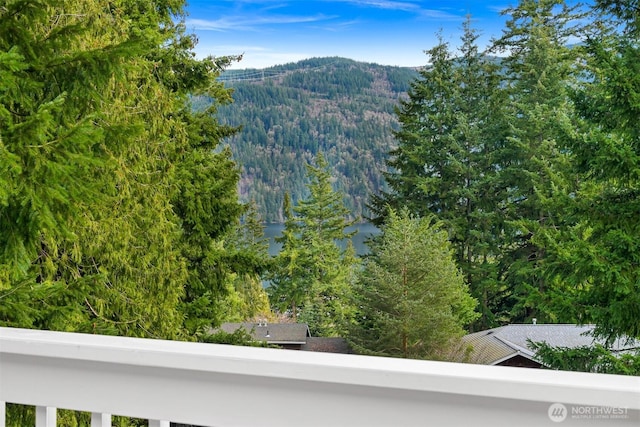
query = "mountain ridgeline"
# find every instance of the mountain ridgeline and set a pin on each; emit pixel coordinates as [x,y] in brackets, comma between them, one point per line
[288,113]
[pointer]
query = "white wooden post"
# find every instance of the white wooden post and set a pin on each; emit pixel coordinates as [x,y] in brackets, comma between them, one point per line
[157,423]
[100,420]
[3,414]
[45,416]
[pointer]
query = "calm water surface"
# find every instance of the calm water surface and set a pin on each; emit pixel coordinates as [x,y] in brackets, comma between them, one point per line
[364,232]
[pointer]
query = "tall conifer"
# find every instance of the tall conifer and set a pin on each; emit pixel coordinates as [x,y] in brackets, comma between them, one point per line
[100,143]
[444,164]
[533,182]
[599,255]
[313,271]
[412,298]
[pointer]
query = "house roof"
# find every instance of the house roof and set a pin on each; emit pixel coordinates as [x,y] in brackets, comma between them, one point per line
[272,333]
[494,346]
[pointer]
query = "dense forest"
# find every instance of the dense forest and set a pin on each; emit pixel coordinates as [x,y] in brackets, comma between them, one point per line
[289,113]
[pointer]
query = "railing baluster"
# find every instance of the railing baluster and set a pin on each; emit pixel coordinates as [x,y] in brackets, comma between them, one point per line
[45,416]
[157,423]
[100,420]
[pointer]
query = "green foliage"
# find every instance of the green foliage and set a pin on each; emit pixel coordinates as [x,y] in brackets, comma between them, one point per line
[534,179]
[412,299]
[596,358]
[625,13]
[602,247]
[238,337]
[287,290]
[311,277]
[113,194]
[44,165]
[20,415]
[207,206]
[451,127]
[489,150]
[112,190]
[248,248]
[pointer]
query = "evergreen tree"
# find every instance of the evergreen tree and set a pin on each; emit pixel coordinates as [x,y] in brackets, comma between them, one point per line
[533,180]
[98,144]
[250,250]
[421,153]
[207,205]
[478,131]
[593,358]
[413,301]
[288,283]
[46,167]
[444,163]
[312,271]
[598,255]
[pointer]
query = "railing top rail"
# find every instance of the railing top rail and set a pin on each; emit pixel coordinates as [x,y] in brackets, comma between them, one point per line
[207,366]
[324,367]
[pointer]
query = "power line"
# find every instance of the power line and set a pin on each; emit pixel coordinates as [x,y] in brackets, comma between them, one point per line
[248,75]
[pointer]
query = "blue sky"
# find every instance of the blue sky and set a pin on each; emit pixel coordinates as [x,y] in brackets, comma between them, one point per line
[388,32]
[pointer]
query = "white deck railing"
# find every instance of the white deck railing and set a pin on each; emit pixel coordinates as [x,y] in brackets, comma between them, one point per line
[218,385]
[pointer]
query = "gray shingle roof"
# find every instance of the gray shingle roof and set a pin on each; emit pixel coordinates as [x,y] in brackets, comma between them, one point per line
[272,333]
[492,346]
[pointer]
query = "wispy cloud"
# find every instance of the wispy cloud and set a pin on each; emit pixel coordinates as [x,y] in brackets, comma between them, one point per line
[253,23]
[339,26]
[380,4]
[403,6]
[386,4]
[439,14]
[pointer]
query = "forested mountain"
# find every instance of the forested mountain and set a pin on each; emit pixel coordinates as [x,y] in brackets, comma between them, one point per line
[289,113]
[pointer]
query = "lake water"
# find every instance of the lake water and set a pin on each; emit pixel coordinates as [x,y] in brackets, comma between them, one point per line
[364,232]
